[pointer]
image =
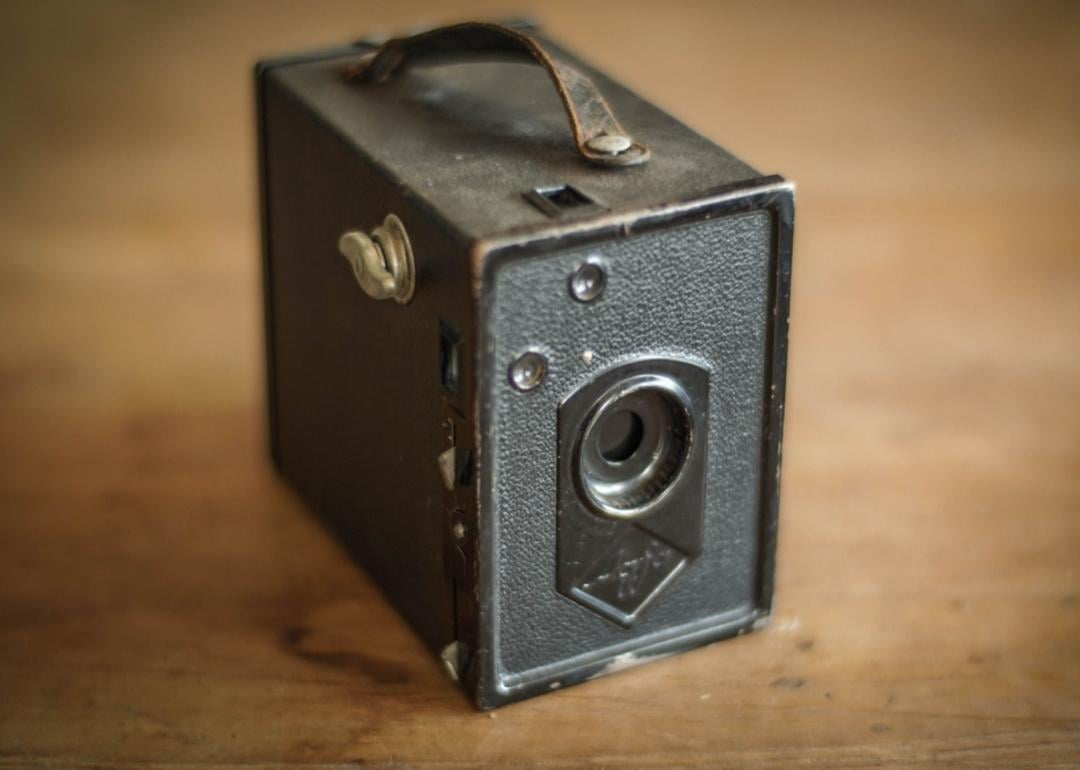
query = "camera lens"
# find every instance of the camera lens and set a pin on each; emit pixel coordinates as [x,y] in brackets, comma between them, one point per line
[633,446]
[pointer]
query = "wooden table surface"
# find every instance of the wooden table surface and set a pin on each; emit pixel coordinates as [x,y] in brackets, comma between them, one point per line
[166,601]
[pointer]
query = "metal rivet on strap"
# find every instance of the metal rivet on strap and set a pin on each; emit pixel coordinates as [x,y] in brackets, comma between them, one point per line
[609,144]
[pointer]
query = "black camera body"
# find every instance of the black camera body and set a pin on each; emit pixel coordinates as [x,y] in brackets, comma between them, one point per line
[526,348]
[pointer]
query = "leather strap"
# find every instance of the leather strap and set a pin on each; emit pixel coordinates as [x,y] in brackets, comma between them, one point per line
[599,137]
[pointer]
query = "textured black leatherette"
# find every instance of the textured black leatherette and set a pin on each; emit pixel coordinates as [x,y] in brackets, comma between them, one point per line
[698,292]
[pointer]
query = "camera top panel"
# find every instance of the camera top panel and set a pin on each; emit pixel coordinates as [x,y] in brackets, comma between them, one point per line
[486,145]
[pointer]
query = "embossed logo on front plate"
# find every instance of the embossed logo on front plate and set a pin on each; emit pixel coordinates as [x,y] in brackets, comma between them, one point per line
[629,574]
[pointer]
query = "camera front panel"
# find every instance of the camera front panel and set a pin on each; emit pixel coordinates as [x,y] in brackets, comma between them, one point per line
[624,409]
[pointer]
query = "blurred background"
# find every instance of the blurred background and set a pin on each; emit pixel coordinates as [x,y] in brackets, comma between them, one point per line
[162,596]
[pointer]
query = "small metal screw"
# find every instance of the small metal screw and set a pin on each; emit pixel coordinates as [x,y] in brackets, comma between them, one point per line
[587,282]
[609,144]
[527,371]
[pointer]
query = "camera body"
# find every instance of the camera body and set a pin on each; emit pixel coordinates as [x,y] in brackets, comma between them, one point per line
[540,399]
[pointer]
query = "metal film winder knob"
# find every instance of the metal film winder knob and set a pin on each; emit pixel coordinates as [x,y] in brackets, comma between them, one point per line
[382,262]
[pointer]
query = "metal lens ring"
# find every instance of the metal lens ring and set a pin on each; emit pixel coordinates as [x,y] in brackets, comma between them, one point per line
[633,446]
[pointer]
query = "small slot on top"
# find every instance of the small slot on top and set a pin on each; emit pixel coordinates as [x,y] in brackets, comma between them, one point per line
[565,197]
[555,201]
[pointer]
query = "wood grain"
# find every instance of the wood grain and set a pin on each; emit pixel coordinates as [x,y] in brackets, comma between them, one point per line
[165,601]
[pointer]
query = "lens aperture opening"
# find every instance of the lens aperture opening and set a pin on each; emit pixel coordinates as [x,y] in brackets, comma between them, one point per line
[620,434]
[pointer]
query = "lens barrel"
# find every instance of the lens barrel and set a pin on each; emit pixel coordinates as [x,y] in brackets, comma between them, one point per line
[633,446]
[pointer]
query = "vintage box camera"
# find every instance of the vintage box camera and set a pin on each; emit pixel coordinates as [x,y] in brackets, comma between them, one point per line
[526,344]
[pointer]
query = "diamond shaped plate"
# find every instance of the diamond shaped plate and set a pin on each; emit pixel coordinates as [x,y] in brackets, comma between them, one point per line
[629,574]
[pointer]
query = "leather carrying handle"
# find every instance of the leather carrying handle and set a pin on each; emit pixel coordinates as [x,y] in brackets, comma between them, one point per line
[599,137]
